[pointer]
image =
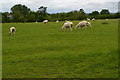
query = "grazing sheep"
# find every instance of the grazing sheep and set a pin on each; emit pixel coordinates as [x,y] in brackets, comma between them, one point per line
[106,19]
[57,21]
[45,21]
[67,25]
[83,24]
[88,19]
[67,21]
[12,31]
[93,19]
[105,22]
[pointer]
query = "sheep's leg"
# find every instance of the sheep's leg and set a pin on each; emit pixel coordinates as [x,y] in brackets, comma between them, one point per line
[85,27]
[14,34]
[90,26]
[76,27]
[79,27]
[10,34]
[70,28]
[82,27]
[62,28]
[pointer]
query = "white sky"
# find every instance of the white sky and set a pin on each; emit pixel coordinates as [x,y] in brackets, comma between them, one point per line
[55,6]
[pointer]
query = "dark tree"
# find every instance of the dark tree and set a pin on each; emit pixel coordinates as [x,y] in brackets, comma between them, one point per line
[105,11]
[94,13]
[32,16]
[42,10]
[82,11]
[20,12]
[42,13]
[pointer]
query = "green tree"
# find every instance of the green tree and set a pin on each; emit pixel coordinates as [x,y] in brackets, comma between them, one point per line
[82,11]
[5,17]
[94,13]
[117,14]
[20,12]
[42,13]
[32,17]
[104,11]
[42,10]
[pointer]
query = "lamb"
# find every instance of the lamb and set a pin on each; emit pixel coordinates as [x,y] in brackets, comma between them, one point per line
[67,25]
[45,21]
[83,24]
[12,31]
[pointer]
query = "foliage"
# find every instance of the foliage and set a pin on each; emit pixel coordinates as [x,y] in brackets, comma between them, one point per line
[94,13]
[42,10]
[82,11]
[104,11]
[21,13]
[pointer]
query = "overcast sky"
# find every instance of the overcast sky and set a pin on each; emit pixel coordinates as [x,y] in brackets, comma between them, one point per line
[55,6]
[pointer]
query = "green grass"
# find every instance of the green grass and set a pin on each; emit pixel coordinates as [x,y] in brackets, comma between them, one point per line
[44,51]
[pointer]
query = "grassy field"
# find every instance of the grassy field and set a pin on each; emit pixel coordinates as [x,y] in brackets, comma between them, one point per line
[44,51]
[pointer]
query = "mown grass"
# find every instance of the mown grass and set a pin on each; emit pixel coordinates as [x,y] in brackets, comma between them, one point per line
[44,51]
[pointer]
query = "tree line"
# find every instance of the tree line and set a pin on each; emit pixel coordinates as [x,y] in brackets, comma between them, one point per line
[21,13]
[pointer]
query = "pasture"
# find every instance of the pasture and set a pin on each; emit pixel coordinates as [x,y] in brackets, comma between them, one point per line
[44,51]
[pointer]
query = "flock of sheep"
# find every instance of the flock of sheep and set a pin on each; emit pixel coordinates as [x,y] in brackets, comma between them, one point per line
[67,24]
[82,24]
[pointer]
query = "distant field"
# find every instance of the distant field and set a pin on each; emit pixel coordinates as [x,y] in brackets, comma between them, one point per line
[44,51]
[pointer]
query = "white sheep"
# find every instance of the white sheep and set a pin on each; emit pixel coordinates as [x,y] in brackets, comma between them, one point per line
[93,19]
[45,21]
[67,25]
[106,19]
[105,22]
[83,24]
[57,21]
[67,21]
[88,19]
[12,31]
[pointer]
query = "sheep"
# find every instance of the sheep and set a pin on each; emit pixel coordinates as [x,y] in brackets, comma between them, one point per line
[83,24]
[67,25]
[89,24]
[106,19]
[93,19]
[105,22]
[88,19]
[45,21]
[67,21]
[12,31]
[57,21]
